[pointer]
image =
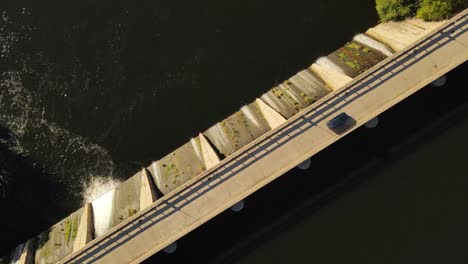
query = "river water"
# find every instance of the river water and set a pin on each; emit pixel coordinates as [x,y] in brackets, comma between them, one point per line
[90,92]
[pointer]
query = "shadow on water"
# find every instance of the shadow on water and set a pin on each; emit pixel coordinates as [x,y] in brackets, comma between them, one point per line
[28,201]
[297,194]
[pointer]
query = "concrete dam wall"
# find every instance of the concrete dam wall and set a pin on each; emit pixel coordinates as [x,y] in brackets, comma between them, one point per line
[221,140]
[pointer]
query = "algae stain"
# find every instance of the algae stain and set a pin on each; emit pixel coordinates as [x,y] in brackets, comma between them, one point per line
[68,230]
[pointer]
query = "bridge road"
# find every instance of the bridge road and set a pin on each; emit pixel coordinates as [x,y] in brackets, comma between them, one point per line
[281,149]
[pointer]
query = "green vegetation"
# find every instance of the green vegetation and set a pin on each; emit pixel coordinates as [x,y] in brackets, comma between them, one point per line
[75,226]
[433,10]
[71,228]
[68,229]
[394,9]
[131,212]
[350,61]
[429,10]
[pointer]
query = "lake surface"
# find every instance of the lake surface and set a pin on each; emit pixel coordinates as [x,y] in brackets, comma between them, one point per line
[90,92]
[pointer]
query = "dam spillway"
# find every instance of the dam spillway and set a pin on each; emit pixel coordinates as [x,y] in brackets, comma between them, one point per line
[227,137]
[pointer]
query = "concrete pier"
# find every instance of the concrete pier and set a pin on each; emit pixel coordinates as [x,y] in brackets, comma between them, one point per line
[210,158]
[86,228]
[334,79]
[27,254]
[147,190]
[273,118]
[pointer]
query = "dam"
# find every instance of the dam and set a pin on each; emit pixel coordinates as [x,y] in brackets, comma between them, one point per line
[283,128]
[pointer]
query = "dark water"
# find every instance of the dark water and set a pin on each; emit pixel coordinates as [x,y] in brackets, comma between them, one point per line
[97,89]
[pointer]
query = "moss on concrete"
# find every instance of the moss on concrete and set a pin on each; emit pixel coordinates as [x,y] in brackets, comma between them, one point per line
[179,166]
[296,93]
[126,200]
[57,242]
[355,58]
[68,228]
[240,128]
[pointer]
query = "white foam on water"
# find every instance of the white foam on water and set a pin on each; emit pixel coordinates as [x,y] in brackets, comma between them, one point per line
[68,157]
[97,186]
[99,191]
[102,212]
[374,44]
[329,64]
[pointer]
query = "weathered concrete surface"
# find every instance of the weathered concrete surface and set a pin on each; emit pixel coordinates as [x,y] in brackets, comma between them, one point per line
[210,158]
[355,58]
[86,228]
[276,152]
[399,35]
[310,87]
[374,44]
[57,242]
[273,118]
[238,130]
[178,167]
[148,194]
[334,79]
[27,257]
[126,200]
[23,254]
[117,205]
[284,100]
[426,25]
[295,94]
